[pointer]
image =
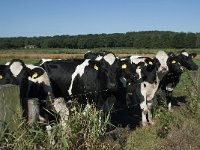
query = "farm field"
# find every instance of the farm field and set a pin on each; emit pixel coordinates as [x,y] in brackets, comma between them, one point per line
[179,129]
[33,55]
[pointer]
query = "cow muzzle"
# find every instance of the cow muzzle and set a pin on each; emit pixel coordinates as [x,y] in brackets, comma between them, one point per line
[112,87]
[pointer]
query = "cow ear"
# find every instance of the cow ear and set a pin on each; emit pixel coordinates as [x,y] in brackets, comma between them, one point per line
[193,55]
[171,54]
[36,72]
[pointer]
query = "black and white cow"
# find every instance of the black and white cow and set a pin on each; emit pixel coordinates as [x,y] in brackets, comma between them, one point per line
[128,75]
[88,80]
[176,64]
[150,74]
[32,80]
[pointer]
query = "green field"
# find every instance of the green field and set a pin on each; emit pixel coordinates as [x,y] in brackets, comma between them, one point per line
[120,50]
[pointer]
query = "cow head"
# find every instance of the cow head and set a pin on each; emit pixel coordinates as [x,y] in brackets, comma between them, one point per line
[6,76]
[14,72]
[17,73]
[186,60]
[127,70]
[161,63]
[110,65]
[146,68]
[173,64]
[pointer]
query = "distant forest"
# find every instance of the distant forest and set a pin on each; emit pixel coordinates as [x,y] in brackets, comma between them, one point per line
[143,39]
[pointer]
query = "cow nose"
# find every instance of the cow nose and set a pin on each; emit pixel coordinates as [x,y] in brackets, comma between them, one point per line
[134,77]
[112,86]
[164,68]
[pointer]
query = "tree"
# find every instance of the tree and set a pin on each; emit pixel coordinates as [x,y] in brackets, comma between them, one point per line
[178,41]
[190,40]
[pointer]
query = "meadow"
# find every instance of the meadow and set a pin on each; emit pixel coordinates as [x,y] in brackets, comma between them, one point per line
[179,129]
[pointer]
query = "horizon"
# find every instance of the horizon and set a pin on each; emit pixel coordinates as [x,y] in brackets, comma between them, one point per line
[67,17]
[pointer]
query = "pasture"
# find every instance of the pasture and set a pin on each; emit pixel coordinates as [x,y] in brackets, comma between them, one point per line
[179,129]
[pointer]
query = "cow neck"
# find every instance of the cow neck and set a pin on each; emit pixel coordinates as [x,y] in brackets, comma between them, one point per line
[78,71]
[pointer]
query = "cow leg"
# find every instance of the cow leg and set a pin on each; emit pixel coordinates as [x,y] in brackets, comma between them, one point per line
[150,117]
[61,108]
[144,109]
[106,110]
[51,137]
[169,97]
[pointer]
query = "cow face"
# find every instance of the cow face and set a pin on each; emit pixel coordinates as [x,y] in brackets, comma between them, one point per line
[162,58]
[148,70]
[110,65]
[173,64]
[13,72]
[17,73]
[128,70]
[186,60]
[6,76]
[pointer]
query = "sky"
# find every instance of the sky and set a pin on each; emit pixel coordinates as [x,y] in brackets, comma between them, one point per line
[73,17]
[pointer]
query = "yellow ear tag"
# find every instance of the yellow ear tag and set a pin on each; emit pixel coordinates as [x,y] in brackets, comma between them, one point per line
[1,77]
[95,67]
[174,61]
[124,66]
[150,63]
[35,75]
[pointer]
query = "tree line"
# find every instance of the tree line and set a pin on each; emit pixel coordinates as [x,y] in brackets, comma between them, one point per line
[142,39]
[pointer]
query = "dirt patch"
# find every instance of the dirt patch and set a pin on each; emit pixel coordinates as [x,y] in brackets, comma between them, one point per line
[22,55]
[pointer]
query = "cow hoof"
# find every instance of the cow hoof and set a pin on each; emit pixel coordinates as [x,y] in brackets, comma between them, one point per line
[144,124]
[152,122]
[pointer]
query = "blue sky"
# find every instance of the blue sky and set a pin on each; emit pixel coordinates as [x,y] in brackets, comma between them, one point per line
[73,17]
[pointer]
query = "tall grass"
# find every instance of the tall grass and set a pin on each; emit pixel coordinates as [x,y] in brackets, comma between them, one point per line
[83,131]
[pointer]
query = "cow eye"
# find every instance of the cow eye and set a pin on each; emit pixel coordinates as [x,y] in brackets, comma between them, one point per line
[1,77]
[174,61]
[124,66]
[96,67]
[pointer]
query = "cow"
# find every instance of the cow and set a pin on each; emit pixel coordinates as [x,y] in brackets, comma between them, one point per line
[129,76]
[150,75]
[32,80]
[176,64]
[88,80]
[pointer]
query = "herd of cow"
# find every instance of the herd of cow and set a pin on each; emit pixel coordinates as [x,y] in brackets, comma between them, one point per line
[100,78]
